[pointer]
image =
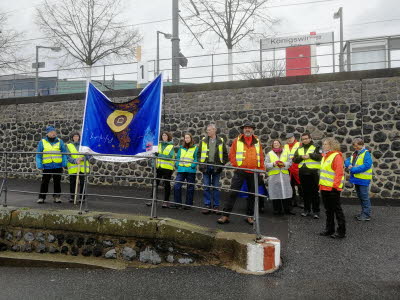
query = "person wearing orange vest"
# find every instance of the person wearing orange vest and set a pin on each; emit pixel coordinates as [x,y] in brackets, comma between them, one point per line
[308,156]
[291,146]
[246,152]
[51,163]
[331,184]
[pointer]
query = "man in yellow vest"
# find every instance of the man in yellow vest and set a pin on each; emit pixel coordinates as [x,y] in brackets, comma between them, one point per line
[76,165]
[360,166]
[212,150]
[51,163]
[291,146]
[309,157]
[247,153]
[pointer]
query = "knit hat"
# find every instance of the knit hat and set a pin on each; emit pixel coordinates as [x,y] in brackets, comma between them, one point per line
[50,129]
[289,135]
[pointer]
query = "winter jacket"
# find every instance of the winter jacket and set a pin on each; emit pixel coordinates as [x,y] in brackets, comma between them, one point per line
[217,161]
[192,168]
[39,157]
[359,169]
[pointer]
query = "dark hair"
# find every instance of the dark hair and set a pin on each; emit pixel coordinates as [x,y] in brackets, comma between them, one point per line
[306,134]
[75,133]
[168,134]
[184,144]
[272,144]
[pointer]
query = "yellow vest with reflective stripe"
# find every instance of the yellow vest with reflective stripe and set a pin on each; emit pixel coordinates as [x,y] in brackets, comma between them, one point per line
[291,152]
[360,161]
[327,174]
[273,158]
[53,152]
[187,156]
[240,152]
[204,150]
[164,163]
[310,163]
[73,168]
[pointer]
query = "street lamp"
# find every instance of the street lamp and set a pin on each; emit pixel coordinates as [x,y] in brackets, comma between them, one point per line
[167,36]
[339,15]
[36,65]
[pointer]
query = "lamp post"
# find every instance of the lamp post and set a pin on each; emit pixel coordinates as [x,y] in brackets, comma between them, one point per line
[167,36]
[339,15]
[55,49]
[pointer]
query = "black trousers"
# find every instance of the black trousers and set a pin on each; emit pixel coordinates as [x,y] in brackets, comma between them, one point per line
[164,174]
[239,177]
[47,175]
[309,184]
[333,208]
[281,205]
[72,184]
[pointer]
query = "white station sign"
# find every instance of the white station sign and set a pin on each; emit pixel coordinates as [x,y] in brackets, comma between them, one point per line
[298,40]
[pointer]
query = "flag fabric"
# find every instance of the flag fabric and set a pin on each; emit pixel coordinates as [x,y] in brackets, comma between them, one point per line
[129,128]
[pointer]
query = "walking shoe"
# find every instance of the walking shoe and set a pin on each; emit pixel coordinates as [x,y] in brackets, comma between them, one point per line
[176,206]
[357,216]
[326,233]
[363,218]
[305,214]
[249,220]
[40,201]
[57,200]
[165,204]
[316,216]
[148,203]
[206,210]
[338,236]
[217,210]
[223,220]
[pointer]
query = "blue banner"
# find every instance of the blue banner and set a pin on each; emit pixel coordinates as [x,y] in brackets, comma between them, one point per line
[129,128]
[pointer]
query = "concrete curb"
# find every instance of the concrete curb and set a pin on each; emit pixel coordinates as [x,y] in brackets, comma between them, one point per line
[238,251]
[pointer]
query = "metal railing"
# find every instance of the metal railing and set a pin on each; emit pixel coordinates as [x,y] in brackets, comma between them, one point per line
[7,172]
[204,68]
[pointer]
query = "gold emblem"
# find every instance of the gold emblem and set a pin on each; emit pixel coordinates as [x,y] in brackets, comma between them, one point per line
[119,120]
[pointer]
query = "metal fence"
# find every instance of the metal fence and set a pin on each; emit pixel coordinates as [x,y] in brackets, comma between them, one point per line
[7,173]
[372,53]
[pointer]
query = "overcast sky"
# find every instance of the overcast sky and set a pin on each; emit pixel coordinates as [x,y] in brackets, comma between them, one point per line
[362,18]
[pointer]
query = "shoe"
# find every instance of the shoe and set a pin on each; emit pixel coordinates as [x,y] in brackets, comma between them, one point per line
[357,216]
[206,210]
[290,213]
[249,220]
[338,236]
[305,214]
[40,201]
[325,233]
[57,200]
[217,211]
[148,203]
[223,220]
[165,205]
[176,206]
[362,218]
[316,216]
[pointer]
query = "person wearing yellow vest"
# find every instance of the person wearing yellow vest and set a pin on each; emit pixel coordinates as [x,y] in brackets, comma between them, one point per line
[331,182]
[359,165]
[164,166]
[212,150]
[51,163]
[186,171]
[246,152]
[291,146]
[308,156]
[76,162]
[277,164]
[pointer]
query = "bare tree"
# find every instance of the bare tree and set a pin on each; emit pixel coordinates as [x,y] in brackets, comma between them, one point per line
[10,45]
[268,70]
[232,21]
[88,30]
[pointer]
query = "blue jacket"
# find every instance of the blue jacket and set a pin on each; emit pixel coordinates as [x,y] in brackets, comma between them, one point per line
[192,168]
[360,169]
[39,161]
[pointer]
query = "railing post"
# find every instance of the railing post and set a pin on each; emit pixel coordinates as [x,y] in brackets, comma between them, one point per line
[153,213]
[256,225]
[4,184]
[84,187]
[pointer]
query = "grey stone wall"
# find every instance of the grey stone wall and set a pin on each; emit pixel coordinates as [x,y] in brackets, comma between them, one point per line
[360,104]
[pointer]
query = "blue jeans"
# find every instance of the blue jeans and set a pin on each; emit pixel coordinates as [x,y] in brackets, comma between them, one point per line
[363,195]
[211,178]
[190,178]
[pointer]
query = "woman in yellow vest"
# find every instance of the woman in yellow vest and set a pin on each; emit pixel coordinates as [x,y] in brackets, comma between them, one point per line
[186,171]
[277,164]
[165,167]
[331,184]
[75,165]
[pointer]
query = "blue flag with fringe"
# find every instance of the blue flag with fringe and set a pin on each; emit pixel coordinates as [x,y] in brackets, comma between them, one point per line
[129,128]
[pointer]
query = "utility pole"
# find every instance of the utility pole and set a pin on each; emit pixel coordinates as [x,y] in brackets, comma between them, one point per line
[175,42]
[339,15]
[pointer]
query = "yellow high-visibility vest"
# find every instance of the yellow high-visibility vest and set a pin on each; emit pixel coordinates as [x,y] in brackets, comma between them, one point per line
[291,152]
[310,163]
[53,152]
[73,168]
[360,161]
[164,163]
[240,152]
[187,156]
[204,150]
[327,174]
[273,158]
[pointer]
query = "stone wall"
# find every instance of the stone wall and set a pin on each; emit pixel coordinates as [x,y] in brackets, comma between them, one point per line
[344,106]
